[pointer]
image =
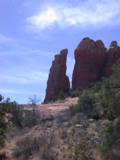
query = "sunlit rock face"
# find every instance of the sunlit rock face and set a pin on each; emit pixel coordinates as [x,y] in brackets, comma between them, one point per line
[89,62]
[113,55]
[58,81]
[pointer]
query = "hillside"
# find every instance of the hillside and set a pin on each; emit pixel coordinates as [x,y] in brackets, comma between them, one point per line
[52,110]
[87,128]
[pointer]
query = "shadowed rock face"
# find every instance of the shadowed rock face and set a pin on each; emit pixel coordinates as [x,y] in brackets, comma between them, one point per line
[57,81]
[92,62]
[113,55]
[89,62]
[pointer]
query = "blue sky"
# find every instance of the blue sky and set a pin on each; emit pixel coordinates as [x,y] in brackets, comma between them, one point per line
[33,31]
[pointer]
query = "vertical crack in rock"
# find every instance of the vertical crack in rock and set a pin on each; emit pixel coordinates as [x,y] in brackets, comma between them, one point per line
[89,61]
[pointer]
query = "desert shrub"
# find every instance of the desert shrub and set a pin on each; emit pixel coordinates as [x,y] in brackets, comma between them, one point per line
[115,77]
[82,151]
[110,136]
[86,102]
[3,128]
[15,110]
[74,93]
[105,94]
[86,105]
[34,100]
[96,86]
[31,118]
[79,148]
[30,145]
[109,98]
[62,95]
[17,115]
[26,146]
[73,110]
[113,110]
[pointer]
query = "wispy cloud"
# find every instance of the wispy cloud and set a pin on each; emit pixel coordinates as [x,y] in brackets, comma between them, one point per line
[4,38]
[15,91]
[25,51]
[28,78]
[95,13]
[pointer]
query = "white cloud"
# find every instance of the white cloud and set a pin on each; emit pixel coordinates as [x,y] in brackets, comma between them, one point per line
[95,13]
[44,19]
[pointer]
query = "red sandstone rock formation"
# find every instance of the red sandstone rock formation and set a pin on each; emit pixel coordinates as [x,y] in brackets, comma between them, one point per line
[92,61]
[113,55]
[89,62]
[58,81]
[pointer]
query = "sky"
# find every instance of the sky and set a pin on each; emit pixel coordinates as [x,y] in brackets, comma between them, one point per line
[33,31]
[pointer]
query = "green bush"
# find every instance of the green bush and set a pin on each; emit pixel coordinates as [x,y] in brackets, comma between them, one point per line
[17,114]
[109,98]
[86,102]
[15,110]
[62,95]
[3,128]
[20,117]
[110,136]
[86,105]
[74,93]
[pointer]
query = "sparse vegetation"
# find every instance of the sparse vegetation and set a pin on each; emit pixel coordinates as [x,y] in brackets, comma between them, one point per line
[3,125]
[30,118]
[74,93]
[86,104]
[3,128]
[34,100]
[103,96]
[15,110]
[31,144]
[110,136]
[19,117]
[77,137]
[62,95]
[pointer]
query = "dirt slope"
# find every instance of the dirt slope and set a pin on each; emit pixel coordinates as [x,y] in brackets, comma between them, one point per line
[54,109]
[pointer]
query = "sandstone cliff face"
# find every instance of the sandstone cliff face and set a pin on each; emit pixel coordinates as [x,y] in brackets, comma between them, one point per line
[89,62]
[113,55]
[92,62]
[57,81]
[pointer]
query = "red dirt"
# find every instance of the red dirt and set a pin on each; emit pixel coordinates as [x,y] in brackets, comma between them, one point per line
[53,109]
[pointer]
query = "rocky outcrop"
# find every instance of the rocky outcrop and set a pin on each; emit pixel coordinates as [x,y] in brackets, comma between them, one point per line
[57,82]
[92,62]
[89,62]
[113,55]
